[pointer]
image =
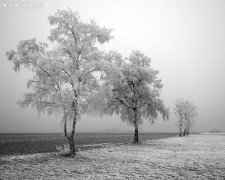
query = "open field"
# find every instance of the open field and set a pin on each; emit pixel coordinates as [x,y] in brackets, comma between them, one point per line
[193,157]
[38,143]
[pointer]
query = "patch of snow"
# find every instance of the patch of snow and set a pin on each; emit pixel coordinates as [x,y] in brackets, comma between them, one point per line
[193,157]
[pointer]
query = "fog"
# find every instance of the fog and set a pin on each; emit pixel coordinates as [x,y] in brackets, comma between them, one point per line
[185,40]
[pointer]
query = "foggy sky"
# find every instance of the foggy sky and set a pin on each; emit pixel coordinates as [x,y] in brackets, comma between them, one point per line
[185,40]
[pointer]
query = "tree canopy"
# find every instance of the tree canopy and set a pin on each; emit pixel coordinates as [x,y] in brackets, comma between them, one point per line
[186,112]
[70,71]
[132,90]
[63,69]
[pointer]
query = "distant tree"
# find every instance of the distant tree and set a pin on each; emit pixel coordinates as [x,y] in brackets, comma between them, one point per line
[179,111]
[64,72]
[190,116]
[186,112]
[132,90]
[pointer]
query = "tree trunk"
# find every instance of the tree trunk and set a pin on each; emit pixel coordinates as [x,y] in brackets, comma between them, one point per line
[184,133]
[72,146]
[65,125]
[188,132]
[72,142]
[180,133]
[180,127]
[136,135]
[136,138]
[70,137]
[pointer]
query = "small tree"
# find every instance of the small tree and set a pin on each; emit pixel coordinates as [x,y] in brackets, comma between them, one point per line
[133,91]
[179,111]
[64,76]
[190,115]
[186,112]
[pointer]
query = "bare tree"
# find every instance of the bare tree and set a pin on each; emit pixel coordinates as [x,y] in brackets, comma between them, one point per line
[186,112]
[63,75]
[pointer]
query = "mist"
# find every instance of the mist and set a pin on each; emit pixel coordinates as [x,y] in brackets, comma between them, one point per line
[185,40]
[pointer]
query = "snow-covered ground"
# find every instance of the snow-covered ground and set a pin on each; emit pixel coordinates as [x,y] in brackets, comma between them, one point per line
[193,157]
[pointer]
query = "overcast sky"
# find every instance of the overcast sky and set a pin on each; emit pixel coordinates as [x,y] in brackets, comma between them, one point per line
[185,40]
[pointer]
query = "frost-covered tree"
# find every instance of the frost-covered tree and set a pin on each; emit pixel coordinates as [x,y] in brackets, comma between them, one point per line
[186,112]
[64,69]
[190,115]
[179,111]
[132,90]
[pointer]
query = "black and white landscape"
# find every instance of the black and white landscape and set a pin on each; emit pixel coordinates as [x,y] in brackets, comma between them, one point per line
[112,89]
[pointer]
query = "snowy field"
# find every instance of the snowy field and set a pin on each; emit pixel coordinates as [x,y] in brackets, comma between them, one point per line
[193,157]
